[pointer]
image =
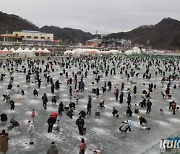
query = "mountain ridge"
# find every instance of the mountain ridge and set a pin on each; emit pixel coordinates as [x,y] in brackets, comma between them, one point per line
[163,35]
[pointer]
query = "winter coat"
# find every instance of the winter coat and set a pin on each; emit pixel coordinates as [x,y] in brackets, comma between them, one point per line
[52,149]
[44,98]
[89,106]
[51,121]
[61,107]
[4,142]
[80,122]
[124,127]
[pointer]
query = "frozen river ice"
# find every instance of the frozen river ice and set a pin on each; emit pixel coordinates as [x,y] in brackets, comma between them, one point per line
[102,131]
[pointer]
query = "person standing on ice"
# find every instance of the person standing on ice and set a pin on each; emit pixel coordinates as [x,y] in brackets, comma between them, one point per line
[109,85]
[52,88]
[39,83]
[77,96]
[33,114]
[45,100]
[3,142]
[82,146]
[61,108]
[149,104]
[51,122]
[121,97]
[30,132]
[89,106]
[80,124]
[70,92]
[173,107]
[12,104]
[57,85]
[135,90]
[117,93]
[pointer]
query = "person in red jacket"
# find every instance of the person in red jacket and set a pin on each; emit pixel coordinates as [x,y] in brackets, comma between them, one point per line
[33,114]
[82,146]
[173,107]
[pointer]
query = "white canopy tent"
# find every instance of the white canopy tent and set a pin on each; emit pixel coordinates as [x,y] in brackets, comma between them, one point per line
[46,51]
[28,52]
[135,50]
[24,53]
[33,49]
[12,50]
[19,50]
[80,51]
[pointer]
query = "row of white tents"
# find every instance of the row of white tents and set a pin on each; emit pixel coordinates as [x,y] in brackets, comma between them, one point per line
[24,52]
[80,51]
[135,50]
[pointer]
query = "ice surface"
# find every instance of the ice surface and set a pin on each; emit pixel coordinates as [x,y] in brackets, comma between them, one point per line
[104,131]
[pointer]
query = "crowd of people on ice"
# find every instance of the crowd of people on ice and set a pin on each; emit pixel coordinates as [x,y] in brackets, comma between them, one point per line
[39,72]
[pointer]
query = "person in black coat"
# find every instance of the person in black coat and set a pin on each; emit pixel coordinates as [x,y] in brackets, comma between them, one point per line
[45,100]
[129,100]
[89,106]
[142,121]
[101,104]
[61,108]
[35,92]
[97,92]
[109,85]
[149,104]
[70,91]
[135,90]
[39,83]
[57,85]
[52,88]
[121,97]
[117,94]
[70,113]
[72,105]
[50,122]
[12,103]
[115,112]
[80,124]
[54,100]
[129,112]
[122,86]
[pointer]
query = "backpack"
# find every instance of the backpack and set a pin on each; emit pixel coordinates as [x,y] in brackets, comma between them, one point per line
[77,122]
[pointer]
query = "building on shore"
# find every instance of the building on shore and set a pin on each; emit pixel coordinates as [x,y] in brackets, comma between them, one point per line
[27,35]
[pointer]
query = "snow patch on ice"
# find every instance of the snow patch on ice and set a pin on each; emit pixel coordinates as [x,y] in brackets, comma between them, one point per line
[162,123]
[108,114]
[101,131]
[33,101]
[174,120]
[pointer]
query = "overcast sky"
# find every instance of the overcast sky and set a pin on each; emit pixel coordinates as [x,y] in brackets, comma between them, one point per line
[104,16]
